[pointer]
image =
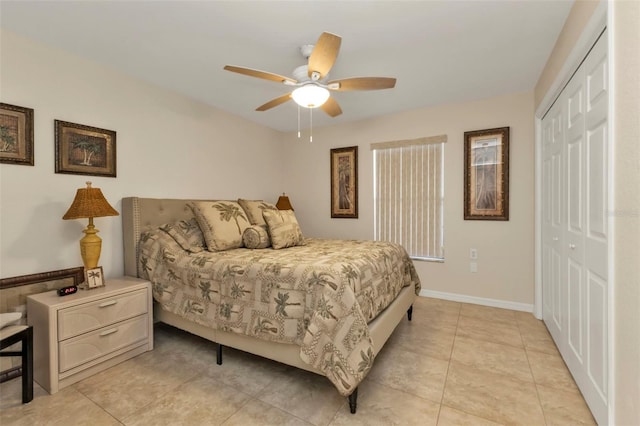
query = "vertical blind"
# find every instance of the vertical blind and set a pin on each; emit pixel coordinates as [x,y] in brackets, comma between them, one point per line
[408,195]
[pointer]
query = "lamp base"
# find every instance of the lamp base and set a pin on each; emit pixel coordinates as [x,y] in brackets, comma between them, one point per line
[90,246]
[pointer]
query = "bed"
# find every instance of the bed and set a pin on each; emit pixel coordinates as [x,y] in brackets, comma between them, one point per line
[326,306]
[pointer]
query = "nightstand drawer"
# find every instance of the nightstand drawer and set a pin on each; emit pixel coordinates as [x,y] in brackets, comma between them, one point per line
[76,320]
[83,349]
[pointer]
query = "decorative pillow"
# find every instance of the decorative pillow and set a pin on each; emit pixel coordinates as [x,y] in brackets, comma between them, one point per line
[256,237]
[221,222]
[9,318]
[187,234]
[283,228]
[254,209]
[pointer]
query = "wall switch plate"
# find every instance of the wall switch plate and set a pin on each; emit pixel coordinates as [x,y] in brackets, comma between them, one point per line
[473,253]
[473,267]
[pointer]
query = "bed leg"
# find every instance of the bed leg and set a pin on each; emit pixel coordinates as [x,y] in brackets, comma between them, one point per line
[353,401]
[410,312]
[218,354]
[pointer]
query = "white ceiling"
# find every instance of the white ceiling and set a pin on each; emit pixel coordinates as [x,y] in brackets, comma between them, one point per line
[439,51]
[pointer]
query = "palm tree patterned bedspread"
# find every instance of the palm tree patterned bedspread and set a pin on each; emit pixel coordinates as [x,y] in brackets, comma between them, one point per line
[319,296]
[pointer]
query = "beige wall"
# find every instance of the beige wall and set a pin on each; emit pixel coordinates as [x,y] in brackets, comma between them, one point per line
[580,14]
[624,36]
[505,249]
[626,211]
[167,146]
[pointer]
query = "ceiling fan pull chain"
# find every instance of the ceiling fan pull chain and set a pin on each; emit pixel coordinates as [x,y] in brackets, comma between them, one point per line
[310,125]
[298,121]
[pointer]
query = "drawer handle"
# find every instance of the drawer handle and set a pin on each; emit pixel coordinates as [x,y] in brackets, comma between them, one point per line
[108,332]
[110,303]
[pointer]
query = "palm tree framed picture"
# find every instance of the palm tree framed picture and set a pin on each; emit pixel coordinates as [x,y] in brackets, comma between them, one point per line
[94,277]
[344,182]
[85,150]
[16,135]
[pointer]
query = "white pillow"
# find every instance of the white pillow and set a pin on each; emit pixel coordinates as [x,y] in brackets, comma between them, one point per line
[9,318]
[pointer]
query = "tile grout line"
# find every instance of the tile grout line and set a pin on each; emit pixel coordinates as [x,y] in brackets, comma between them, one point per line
[526,353]
[251,397]
[136,412]
[506,345]
[446,377]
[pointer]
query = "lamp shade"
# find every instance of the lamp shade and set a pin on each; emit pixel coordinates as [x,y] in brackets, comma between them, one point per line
[284,203]
[310,95]
[89,202]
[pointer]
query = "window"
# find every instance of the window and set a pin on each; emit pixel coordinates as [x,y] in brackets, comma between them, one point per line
[408,195]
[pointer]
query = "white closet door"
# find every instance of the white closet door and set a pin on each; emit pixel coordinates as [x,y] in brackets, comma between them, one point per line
[553,212]
[575,226]
[573,100]
[596,235]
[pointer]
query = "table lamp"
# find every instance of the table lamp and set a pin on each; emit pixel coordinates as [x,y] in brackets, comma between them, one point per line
[284,203]
[90,203]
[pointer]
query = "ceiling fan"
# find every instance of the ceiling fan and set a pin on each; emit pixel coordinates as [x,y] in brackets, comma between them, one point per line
[310,81]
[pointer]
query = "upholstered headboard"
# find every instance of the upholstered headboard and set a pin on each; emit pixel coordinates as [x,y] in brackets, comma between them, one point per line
[141,214]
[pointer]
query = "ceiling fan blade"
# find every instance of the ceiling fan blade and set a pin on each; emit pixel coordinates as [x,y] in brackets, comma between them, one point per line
[259,74]
[331,107]
[274,102]
[324,54]
[364,83]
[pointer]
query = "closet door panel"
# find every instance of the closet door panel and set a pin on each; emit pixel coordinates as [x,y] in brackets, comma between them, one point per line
[554,313]
[596,367]
[574,154]
[575,227]
[575,297]
[596,232]
[597,183]
[596,130]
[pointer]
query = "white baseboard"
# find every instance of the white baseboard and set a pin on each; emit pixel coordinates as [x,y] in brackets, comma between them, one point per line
[525,307]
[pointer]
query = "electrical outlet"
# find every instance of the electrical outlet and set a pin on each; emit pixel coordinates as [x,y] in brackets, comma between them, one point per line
[473,253]
[473,267]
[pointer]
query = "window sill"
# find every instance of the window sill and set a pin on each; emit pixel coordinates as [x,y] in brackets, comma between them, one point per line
[428,259]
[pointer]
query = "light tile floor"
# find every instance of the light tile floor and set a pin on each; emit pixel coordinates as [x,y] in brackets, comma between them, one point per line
[454,364]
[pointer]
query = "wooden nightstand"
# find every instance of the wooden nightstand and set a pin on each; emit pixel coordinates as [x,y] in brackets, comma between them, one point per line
[81,334]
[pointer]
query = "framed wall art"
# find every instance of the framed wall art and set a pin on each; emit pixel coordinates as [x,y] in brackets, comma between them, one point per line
[85,150]
[486,174]
[344,182]
[16,135]
[94,277]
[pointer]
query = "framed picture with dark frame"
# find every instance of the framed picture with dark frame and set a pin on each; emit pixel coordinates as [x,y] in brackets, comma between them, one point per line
[16,135]
[486,174]
[85,150]
[344,182]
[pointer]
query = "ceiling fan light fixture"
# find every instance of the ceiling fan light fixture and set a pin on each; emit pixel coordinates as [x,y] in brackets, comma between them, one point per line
[310,95]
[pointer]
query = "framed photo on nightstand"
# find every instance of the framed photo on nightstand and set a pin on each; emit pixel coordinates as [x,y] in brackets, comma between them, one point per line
[94,277]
